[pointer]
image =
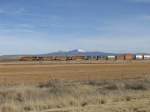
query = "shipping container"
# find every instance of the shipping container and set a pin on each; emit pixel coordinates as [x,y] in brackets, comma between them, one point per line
[129,57]
[121,57]
[88,58]
[111,57]
[27,58]
[102,58]
[30,58]
[68,58]
[139,57]
[147,57]
[78,58]
[48,58]
[60,58]
[40,58]
[94,57]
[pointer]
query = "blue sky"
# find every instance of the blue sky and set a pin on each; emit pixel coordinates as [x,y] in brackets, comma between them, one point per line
[42,26]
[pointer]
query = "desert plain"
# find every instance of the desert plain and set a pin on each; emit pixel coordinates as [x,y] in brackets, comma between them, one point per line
[80,87]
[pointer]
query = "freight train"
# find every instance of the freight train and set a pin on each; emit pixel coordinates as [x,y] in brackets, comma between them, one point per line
[79,57]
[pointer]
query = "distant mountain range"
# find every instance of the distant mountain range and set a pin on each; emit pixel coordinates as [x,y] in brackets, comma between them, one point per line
[78,52]
[62,53]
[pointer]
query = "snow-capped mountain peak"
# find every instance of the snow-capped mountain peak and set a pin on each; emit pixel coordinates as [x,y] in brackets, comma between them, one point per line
[78,51]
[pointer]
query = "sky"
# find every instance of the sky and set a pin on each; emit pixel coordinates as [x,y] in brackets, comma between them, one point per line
[43,26]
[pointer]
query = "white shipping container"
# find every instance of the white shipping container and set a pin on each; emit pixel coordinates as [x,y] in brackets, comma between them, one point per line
[111,57]
[139,57]
[146,56]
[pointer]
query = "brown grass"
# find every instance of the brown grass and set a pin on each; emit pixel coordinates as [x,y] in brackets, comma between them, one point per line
[77,96]
[28,73]
[75,87]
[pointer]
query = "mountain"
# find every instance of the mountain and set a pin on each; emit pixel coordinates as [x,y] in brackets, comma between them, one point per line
[74,52]
[78,52]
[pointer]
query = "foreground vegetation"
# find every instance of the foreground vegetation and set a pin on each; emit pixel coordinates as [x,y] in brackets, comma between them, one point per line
[77,96]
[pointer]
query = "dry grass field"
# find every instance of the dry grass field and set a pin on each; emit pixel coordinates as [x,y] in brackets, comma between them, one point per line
[77,96]
[75,87]
[35,73]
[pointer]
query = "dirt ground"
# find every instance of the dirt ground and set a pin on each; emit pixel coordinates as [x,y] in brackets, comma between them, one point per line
[35,73]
